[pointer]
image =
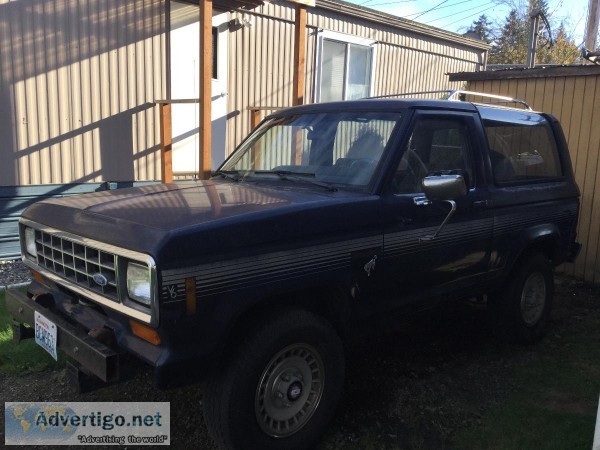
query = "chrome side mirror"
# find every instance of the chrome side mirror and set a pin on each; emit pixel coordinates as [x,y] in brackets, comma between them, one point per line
[444,187]
[447,188]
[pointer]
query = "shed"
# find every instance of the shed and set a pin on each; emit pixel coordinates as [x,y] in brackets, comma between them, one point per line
[85,85]
[572,94]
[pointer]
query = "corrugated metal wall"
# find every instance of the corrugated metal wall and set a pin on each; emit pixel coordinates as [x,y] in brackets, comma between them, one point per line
[261,59]
[77,82]
[575,101]
[14,199]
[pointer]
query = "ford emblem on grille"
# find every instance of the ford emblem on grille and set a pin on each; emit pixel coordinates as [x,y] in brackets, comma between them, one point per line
[100,279]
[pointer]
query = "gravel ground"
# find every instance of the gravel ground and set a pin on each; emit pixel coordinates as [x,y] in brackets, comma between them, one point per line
[13,272]
[412,388]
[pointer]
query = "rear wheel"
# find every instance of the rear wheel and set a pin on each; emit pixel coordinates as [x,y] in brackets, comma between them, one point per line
[519,312]
[280,388]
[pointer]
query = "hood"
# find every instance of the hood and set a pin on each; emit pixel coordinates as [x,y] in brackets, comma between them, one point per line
[181,220]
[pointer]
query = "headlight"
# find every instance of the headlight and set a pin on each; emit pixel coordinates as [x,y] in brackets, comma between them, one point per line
[139,283]
[30,241]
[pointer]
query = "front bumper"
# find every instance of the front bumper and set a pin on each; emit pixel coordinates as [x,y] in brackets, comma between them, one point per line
[94,356]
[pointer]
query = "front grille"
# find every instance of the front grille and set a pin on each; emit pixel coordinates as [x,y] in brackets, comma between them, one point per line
[78,263]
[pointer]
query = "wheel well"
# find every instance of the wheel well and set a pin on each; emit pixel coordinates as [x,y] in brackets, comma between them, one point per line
[326,302]
[548,246]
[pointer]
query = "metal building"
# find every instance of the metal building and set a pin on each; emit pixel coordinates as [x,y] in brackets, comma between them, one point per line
[81,82]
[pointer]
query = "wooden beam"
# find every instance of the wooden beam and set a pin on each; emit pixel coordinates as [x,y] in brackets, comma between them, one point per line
[299,55]
[299,68]
[255,117]
[166,143]
[206,60]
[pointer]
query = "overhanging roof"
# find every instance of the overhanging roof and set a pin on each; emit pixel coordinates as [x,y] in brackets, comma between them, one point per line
[363,12]
[536,72]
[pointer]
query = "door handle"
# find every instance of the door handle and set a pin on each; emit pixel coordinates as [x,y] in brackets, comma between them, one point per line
[480,204]
[421,201]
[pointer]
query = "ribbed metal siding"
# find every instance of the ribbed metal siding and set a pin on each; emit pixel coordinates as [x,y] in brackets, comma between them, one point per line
[261,60]
[575,101]
[14,200]
[78,78]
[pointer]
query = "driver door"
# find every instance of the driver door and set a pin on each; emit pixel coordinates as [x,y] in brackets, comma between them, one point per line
[459,256]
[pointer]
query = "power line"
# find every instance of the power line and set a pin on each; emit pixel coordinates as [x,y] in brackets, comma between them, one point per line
[556,7]
[447,6]
[429,10]
[471,15]
[387,3]
[459,12]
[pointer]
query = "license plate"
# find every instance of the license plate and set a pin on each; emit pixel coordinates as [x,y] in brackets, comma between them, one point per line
[45,334]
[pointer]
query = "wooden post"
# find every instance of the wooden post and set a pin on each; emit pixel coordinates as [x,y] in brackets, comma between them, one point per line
[299,54]
[591,28]
[166,143]
[299,67]
[255,117]
[205,88]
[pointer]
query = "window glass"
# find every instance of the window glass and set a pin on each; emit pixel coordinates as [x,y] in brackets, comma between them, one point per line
[334,67]
[359,72]
[522,151]
[345,71]
[436,146]
[338,148]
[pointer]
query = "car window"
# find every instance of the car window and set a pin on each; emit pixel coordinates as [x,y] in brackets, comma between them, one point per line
[523,150]
[343,149]
[435,146]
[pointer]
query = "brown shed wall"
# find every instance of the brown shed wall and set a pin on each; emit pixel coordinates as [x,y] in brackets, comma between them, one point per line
[574,98]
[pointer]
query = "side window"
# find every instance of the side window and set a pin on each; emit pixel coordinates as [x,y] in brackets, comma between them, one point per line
[344,68]
[435,146]
[522,151]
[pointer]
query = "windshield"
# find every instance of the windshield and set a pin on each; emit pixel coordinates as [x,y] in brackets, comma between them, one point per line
[337,149]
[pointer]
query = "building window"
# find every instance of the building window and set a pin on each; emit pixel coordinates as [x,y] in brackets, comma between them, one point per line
[346,67]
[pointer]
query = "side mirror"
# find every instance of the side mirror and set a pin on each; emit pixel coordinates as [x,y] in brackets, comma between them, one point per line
[447,188]
[444,187]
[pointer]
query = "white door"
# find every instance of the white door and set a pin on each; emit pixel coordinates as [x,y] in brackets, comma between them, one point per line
[185,50]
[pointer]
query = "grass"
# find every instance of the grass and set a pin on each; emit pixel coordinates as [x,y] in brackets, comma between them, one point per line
[555,400]
[23,357]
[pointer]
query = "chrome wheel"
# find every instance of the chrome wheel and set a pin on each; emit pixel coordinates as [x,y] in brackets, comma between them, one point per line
[289,390]
[533,298]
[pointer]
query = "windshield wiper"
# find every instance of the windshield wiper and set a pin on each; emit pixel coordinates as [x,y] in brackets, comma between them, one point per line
[229,174]
[291,175]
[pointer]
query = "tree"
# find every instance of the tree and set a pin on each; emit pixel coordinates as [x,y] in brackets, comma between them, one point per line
[564,51]
[482,27]
[510,47]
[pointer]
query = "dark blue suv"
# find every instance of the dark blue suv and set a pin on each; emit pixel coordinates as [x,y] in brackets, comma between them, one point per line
[327,219]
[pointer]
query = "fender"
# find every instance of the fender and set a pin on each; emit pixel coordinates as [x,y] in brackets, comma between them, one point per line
[545,236]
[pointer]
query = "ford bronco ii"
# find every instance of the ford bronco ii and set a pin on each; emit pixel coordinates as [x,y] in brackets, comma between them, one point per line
[327,218]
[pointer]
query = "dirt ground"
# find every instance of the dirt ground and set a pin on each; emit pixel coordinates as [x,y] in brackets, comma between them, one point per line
[414,388]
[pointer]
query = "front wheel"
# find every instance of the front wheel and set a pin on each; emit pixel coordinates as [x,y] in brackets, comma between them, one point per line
[280,387]
[520,311]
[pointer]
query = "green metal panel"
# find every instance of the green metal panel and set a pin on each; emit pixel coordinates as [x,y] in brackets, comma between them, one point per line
[14,199]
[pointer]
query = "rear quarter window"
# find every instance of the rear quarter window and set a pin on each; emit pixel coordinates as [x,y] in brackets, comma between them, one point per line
[522,147]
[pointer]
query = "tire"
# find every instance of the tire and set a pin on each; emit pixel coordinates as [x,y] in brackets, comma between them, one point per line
[259,398]
[519,312]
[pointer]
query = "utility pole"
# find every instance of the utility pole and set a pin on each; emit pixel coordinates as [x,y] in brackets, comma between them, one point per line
[534,28]
[591,29]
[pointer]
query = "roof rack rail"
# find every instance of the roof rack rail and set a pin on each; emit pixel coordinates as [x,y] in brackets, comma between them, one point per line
[458,92]
[455,95]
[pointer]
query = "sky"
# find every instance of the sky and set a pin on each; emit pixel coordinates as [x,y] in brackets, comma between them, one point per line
[458,15]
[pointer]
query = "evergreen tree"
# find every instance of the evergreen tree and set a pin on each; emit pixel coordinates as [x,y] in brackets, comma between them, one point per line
[510,47]
[483,27]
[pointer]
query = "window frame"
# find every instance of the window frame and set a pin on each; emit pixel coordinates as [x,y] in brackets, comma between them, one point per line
[343,39]
[473,141]
[525,181]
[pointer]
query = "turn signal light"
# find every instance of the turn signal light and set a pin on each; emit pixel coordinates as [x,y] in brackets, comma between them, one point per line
[145,332]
